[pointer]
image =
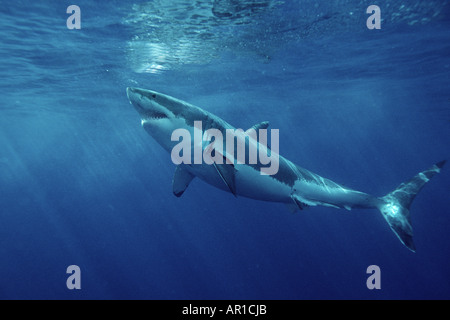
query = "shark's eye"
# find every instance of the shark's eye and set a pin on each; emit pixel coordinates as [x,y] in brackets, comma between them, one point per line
[154,96]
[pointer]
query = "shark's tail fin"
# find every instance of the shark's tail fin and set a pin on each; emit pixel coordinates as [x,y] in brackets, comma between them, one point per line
[395,205]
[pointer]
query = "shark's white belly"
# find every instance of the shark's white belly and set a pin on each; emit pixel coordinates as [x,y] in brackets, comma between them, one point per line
[252,184]
[249,183]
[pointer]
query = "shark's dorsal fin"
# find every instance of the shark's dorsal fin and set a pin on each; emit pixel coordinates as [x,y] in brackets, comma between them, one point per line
[226,172]
[181,180]
[262,125]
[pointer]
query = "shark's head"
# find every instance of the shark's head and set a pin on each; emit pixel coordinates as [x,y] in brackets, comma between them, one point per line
[152,106]
[162,114]
[156,108]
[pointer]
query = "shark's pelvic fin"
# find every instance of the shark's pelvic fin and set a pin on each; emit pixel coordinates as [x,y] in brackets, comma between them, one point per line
[300,202]
[181,180]
[226,172]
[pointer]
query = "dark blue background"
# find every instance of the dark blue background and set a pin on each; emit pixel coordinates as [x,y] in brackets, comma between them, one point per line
[82,183]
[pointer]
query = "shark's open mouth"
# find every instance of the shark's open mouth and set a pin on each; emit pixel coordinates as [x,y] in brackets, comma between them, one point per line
[157,116]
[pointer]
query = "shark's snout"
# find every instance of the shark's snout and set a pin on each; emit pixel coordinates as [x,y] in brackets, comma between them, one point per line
[144,101]
[136,95]
[135,99]
[130,91]
[133,92]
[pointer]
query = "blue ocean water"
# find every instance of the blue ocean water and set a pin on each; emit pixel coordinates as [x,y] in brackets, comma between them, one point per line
[81,183]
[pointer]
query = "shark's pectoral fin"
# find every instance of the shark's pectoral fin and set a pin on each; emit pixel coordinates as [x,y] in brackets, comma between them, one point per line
[256,127]
[181,180]
[226,172]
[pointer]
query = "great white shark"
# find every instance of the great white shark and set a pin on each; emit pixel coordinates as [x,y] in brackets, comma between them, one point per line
[297,187]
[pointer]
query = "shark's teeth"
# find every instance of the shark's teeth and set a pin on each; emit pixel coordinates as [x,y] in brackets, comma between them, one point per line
[150,118]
